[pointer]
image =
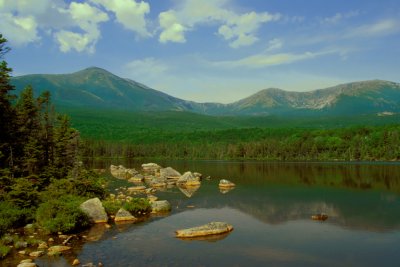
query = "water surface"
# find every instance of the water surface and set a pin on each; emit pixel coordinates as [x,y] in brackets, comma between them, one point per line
[270,209]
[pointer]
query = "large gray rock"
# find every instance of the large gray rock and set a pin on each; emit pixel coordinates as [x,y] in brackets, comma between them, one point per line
[160,206]
[189,179]
[169,173]
[212,228]
[124,215]
[95,210]
[121,172]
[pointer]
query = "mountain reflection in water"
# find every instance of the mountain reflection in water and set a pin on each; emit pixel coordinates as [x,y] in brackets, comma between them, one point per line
[270,209]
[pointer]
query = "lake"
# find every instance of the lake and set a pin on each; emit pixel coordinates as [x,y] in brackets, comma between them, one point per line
[270,209]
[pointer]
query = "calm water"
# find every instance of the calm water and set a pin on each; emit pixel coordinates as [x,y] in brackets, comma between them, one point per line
[270,210]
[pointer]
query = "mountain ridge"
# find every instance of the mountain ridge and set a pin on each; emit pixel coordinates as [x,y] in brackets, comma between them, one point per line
[95,87]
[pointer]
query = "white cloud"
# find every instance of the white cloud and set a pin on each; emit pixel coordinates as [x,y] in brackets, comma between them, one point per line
[73,26]
[263,60]
[88,18]
[380,28]
[74,41]
[129,13]
[19,30]
[238,29]
[173,30]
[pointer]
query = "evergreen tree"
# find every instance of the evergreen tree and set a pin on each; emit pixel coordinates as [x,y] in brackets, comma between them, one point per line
[7,114]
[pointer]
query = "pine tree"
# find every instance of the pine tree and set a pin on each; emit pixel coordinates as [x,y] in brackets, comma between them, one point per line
[7,114]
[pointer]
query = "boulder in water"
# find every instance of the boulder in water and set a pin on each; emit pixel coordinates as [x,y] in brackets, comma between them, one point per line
[212,228]
[169,173]
[160,206]
[124,215]
[226,183]
[95,210]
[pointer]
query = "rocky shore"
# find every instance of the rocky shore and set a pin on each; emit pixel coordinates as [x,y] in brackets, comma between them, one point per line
[130,204]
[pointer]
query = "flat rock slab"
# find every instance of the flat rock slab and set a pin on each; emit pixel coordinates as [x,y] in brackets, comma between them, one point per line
[226,183]
[212,228]
[27,264]
[57,250]
[137,188]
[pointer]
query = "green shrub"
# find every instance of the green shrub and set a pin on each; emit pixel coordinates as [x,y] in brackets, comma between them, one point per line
[62,215]
[10,216]
[137,205]
[4,250]
[23,193]
[111,206]
[88,185]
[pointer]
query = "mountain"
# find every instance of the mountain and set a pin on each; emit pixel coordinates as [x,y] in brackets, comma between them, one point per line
[97,88]
[347,99]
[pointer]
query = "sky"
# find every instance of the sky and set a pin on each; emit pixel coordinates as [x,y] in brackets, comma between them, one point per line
[208,50]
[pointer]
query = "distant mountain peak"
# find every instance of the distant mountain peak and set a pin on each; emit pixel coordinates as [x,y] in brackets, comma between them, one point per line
[98,88]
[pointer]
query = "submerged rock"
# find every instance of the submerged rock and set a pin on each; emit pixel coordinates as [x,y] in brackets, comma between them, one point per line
[319,217]
[160,206]
[95,210]
[212,228]
[226,183]
[124,215]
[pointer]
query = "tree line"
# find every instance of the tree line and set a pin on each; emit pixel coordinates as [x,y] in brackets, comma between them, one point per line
[354,143]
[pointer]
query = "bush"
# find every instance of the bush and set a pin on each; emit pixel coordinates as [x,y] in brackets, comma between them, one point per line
[23,193]
[111,206]
[4,250]
[137,205]
[62,215]
[10,216]
[88,186]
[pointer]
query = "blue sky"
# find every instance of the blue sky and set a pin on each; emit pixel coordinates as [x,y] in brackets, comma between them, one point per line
[208,50]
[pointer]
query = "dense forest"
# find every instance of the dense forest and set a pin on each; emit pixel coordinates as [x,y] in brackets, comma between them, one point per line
[353,143]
